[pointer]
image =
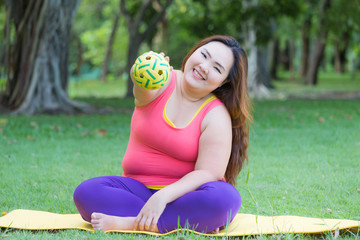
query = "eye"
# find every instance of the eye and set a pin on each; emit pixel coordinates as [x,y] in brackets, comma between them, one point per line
[217,69]
[204,55]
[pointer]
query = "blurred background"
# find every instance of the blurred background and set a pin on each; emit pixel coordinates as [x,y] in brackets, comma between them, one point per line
[53,49]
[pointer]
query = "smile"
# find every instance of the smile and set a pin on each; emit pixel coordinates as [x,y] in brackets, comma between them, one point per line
[198,75]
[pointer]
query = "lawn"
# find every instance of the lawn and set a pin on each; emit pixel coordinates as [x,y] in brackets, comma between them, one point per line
[304,160]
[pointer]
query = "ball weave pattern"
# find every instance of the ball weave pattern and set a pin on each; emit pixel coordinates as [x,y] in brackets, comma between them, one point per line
[151,70]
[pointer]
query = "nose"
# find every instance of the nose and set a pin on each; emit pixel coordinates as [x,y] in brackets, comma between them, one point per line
[203,68]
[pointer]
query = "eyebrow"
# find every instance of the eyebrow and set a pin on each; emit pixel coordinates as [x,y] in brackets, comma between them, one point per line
[217,63]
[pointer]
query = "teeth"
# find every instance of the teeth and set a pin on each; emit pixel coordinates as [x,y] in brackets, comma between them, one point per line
[198,74]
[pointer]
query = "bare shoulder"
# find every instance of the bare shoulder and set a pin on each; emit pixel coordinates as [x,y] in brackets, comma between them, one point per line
[217,120]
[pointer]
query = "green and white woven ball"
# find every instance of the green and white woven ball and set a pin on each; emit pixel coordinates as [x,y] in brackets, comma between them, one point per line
[151,70]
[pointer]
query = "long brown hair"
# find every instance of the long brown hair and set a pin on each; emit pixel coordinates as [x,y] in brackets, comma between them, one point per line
[235,96]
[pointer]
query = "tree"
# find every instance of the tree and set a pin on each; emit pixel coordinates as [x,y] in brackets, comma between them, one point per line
[319,46]
[135,19]
[274,58]
[258,75]
[263,19]
[341,47]
[109,46]
[37,66]
[343,21]
[305,40]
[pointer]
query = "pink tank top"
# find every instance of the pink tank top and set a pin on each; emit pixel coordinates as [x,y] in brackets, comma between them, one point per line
[158,153]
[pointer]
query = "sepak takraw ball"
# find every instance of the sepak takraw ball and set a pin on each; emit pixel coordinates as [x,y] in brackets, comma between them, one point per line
[151,70]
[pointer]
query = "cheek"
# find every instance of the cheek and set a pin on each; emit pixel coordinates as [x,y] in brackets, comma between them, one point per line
[216,79]
[216,83]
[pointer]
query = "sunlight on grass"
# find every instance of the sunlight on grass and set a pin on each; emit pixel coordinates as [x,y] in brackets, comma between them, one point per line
[96,88]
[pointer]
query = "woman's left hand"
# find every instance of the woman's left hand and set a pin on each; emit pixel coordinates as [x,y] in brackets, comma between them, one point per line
[149,215]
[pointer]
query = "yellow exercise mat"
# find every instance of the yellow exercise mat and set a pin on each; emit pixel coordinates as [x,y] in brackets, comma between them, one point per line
[243,224]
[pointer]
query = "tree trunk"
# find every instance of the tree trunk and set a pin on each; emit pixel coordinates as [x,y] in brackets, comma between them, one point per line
[80,58]
[285,57]
[274,59]
[337,61]
[105,67]
[38,76]
[258,76]
[133,52]
[340,52]
[319,47]
[291,59]
[161,38]
[317,56]
[305,46]
[136,38]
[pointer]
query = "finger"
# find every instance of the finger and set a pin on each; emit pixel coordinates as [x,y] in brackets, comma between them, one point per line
[163,54]
[153,227]
[141,224]
[136,223]
[148,224]
[154,224]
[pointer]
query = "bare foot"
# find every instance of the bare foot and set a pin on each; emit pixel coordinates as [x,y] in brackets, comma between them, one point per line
[103,222]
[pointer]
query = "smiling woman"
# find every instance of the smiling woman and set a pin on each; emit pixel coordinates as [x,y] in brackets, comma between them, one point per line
[211,64]
[187,145]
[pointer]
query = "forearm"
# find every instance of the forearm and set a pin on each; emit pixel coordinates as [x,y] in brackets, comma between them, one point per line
[188,183]
[154,207]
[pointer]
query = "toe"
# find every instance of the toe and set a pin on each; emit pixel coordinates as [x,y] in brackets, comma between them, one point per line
[95,221]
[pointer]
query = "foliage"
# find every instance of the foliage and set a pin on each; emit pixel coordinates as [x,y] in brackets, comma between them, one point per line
[191,20]
[2,40]
[194,20]
[93,25]
[341,24]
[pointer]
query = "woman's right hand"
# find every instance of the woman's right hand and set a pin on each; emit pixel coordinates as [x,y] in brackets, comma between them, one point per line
[144,96]
[167,59]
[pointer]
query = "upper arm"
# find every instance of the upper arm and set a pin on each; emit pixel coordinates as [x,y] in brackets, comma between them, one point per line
[144,96]
[215,142]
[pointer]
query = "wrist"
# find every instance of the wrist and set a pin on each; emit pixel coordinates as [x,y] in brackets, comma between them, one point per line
[162,196]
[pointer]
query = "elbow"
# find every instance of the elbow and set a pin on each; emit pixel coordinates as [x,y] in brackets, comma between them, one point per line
[213,175]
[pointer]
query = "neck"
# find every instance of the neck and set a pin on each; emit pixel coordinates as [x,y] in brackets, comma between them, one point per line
[188,94]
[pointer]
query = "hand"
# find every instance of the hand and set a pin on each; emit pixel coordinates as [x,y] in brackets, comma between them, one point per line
[167,59]
[149,215]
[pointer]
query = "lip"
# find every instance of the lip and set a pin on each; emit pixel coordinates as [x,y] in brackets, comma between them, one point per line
[198,75]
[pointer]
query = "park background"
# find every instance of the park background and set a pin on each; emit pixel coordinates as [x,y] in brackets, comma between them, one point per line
[65,98]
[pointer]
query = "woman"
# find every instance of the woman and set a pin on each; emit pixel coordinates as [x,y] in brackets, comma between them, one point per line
[187,145]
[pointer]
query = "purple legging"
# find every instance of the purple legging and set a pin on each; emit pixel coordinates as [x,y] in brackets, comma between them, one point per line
[211,206]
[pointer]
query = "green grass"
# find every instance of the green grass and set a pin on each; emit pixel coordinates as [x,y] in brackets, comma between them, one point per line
[304,160]
[97,89]
[328,83]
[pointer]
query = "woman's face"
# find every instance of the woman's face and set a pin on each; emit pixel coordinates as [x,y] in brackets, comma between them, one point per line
[208,67]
